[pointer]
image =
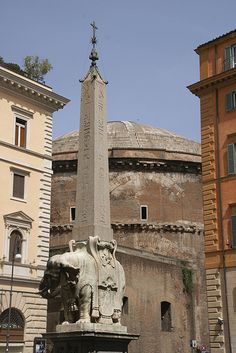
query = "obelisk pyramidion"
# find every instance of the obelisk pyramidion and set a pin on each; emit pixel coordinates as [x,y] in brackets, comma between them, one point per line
[92,198]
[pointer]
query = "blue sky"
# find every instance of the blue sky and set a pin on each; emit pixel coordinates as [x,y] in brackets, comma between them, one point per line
[146,51]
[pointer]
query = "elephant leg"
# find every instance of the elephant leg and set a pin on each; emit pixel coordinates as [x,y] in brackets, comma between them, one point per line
[66,306]
[85,298]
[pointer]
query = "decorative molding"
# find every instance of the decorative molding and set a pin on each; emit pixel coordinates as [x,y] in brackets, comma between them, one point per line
[31,90]
[154,165]
[138,227]
[224,78]
[18,220]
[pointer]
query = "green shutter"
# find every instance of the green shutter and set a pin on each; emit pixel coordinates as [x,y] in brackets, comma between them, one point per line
[233,227]
[231,159]
[227,63]
[229,104]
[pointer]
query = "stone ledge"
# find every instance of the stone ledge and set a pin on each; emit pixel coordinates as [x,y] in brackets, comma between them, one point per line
[155,165]
[91,327]
[161,227]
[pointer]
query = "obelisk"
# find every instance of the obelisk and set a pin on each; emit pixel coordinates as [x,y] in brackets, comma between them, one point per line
[93,279]
[92,197]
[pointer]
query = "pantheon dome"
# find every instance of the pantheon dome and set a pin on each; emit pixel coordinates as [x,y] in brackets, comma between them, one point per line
[134,136]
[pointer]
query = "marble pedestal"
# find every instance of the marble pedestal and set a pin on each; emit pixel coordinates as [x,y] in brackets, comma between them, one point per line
[90,338]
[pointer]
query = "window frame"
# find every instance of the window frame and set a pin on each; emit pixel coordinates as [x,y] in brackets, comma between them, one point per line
[20,236]
[230,57]
[23,223]
[25,116]
[230,101]
[20,125]
[71,218]
[23,173]
[233,231]
[141,215]
[231,158]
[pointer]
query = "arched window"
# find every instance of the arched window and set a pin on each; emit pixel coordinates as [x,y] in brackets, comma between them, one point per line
[15,245]
[16,327]
[165,316]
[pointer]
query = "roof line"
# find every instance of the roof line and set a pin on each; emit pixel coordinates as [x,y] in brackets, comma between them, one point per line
[231,33]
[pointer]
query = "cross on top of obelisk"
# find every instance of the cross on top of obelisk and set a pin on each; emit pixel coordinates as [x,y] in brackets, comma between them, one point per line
[94,55]
[94,39]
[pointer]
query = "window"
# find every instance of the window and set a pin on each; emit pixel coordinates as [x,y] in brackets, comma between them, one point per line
[72,214]
[230,101]
[16,325]
[20,132]
[230,57]
[144,213]
[233,230]
[166,316]
[232,158]
[19,183]
[125,307]
[18,186]
[15,246]
[15,223]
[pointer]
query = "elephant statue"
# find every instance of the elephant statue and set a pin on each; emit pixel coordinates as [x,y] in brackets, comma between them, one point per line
[89,279]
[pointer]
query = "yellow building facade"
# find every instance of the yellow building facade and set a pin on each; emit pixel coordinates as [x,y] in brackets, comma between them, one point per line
[217,92]
[26,109]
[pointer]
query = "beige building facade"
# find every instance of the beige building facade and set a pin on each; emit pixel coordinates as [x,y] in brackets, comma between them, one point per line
[26,109]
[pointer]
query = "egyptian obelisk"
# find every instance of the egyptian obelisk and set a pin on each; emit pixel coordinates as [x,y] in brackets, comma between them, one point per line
[93,279]
[92,197]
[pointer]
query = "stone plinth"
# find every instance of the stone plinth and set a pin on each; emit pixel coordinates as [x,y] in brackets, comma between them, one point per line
[90,338]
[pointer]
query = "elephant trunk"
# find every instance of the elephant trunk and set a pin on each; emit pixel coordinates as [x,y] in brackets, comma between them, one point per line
[45,291]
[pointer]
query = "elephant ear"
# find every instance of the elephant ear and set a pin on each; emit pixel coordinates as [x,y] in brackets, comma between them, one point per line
[71,273]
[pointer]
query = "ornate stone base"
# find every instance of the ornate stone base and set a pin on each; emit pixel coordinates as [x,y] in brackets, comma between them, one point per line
[88,341]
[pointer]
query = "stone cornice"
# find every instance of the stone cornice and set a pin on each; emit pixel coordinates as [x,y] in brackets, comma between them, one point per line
[31,90]
[136,164]
[212,82]
[139,227]
[19,281]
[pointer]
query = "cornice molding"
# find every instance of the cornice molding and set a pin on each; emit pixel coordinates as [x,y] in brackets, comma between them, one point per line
[135,164]
[31,90]
[212,82]
[138,227]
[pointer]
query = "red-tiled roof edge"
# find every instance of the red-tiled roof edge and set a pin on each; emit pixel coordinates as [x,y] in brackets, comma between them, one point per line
[215,39]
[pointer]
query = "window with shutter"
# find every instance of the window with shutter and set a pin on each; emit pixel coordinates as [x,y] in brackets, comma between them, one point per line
[232,158]
[18,186]
[233,228]
[230,101]
[20,132]
[230,57]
